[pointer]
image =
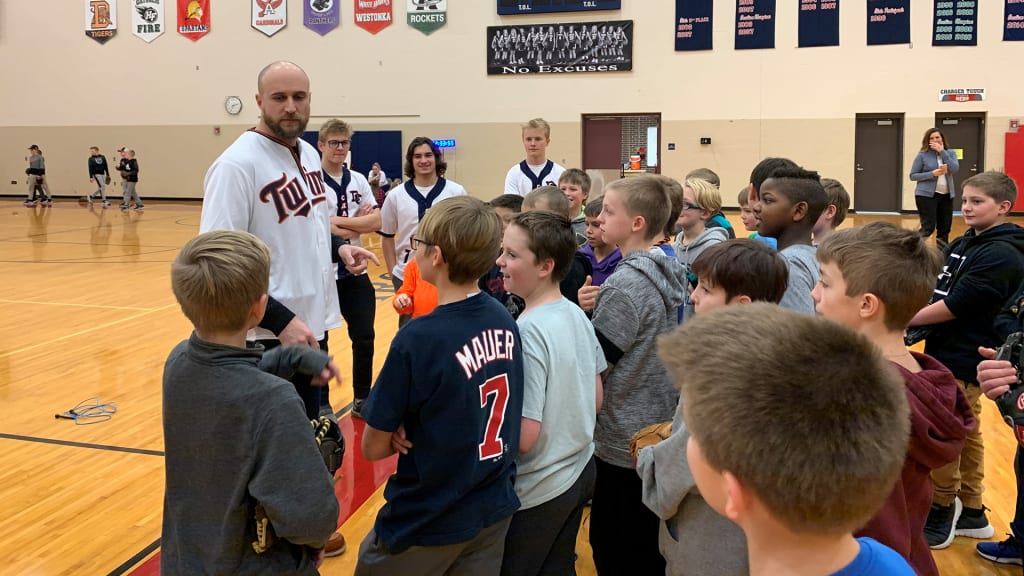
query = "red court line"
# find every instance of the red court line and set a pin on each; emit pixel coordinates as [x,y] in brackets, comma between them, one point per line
[357,480]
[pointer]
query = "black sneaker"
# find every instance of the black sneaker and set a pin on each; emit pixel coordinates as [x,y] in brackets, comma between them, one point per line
[357,407]
[973,523]
[940,528]
[1006,552]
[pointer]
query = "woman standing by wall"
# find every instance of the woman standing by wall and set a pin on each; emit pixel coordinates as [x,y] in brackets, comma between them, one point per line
[933,170]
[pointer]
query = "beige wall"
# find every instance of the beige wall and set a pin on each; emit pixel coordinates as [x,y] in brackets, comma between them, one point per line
[65,92]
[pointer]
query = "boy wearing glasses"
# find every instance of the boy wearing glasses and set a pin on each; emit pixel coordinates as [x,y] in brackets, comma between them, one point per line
[353,210]
[701,201]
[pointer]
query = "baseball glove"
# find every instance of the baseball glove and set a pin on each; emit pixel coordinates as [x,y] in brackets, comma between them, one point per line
[1011,404]
[649,436]
[330,442]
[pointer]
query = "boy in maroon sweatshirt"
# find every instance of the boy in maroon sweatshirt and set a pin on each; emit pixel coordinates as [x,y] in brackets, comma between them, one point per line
[873,280]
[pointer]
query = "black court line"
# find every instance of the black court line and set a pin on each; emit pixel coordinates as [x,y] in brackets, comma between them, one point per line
[81,444]
[131,562]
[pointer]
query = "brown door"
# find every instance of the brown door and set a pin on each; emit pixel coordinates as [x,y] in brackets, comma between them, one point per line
[965,133]
[878,156]
[602,142]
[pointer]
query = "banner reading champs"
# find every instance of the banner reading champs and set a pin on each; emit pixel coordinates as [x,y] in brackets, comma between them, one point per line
[373,15]
[321,16]
[427,15]
[101,19]
[560,48]
[269,16]
[148,19]
[193,18]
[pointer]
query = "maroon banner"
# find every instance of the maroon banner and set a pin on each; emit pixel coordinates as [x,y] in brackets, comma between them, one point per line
[193,18]
[373,15]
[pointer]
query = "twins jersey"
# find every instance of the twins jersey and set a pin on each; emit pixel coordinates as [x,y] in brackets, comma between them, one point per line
[277,193]
[454,379]
[357,195]
[524,177]
[400,215]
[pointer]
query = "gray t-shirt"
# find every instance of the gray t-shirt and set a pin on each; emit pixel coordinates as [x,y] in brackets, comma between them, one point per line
[803,275]
[561,358]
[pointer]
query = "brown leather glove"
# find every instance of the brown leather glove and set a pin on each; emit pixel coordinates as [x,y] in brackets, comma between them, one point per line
[649,436]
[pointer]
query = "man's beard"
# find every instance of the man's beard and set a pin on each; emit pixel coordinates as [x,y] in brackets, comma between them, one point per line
[286,134]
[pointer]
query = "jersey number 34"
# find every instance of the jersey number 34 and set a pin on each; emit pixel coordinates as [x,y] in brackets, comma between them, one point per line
[493,446]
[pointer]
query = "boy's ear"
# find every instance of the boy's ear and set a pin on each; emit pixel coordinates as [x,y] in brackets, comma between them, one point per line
[737,498]
[799,211]
[638,224]
[258,309]
[871,306]
[706,215]
[1005,207]
[741,299]
[830,211]
[547,268]
[436,256]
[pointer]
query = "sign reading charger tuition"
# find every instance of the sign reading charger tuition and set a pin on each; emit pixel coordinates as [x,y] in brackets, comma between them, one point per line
[560,48]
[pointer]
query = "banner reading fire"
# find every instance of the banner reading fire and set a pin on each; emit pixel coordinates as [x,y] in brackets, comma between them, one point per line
[269,16]
[373,15]
[193,18]
[101,19]
[427,15]
[560,48]
[148,19]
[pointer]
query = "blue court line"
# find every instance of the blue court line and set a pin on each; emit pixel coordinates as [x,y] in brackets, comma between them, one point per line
[81,444]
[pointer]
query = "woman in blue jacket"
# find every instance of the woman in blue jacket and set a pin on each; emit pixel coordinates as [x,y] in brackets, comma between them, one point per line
[933,171]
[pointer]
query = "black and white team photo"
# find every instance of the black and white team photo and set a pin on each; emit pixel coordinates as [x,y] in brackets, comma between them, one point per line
[554,48]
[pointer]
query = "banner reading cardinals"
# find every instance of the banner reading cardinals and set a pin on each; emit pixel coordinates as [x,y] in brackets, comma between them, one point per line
[373,15]
[269,16]
[193,18]
[427,15]
[321,16]
[101,19]
[148,19]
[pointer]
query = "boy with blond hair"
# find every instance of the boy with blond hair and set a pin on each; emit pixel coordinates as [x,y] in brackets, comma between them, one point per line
[982,270]
[638,302]
[797,486]
[873,280]
[576,185]
[718,219]
[213,387]
[701,201]
[536,170]
[835,211]
[449,400]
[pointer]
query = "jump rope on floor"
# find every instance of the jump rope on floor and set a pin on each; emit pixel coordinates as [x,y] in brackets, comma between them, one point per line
[89,411]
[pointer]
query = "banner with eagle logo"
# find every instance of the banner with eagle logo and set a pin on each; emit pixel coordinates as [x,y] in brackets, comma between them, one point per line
[322,16]
[148,19]
[269,16]
[101,19]
[373,15]
[427,15]
[193,18]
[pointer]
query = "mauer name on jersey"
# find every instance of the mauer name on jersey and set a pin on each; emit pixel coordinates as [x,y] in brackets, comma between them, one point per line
[489,346]
[289,197]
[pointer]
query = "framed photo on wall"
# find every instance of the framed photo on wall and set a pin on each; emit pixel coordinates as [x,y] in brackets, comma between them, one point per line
[510,7]
[560,48]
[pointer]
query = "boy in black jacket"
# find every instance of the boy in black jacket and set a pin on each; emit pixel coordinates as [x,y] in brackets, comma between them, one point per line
[129,168]
[982,269]
[99,173]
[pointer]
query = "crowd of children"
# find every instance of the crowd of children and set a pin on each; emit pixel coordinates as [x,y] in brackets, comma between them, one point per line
[727,406]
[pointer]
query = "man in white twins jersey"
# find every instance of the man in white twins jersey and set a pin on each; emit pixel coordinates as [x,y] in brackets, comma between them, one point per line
[405,205]
[269,183]
[536,170]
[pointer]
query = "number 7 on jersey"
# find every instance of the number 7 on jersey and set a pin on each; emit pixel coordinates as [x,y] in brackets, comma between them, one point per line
[493,446]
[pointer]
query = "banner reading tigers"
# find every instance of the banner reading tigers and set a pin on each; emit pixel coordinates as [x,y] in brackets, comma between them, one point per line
[193,18]
[101,19]
[373,15]
[269,16]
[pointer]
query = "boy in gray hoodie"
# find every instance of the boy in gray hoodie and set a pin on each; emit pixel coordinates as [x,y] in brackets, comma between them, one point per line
[701,201]
[637,303]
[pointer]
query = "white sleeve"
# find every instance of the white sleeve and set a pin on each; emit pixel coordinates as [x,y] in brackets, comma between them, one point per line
[389,216]
[512,182]
[363,185]
[227,198]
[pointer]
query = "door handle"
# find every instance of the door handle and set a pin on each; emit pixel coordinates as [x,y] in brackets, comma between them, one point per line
[859,169]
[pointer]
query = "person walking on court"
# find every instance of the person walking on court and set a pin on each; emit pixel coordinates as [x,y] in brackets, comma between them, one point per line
[36,172]
[129,169]
[933,170]
[99,173]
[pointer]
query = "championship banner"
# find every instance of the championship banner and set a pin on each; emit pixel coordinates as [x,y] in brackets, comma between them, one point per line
[510,7]
[1013,28]
[818,23]
[373,15]
[755,24]
[269,16]
[694,24]
[147,19]
[101,19]
[321,16]
[427,15]
[193,18]
[888,22]
[955,23]
[560,48]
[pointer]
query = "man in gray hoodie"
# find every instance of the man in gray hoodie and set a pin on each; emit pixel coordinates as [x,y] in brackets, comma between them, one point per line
[637,303]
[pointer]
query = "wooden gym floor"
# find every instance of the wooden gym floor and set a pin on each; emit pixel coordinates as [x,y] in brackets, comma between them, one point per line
[88,312]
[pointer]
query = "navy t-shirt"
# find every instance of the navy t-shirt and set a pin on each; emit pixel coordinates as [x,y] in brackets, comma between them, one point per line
[455,379]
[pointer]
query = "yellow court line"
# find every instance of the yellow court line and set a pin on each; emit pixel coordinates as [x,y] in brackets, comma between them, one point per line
[2,301]
[86,331]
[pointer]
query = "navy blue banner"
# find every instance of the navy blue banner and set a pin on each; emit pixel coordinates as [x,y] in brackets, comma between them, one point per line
[693,24]
[1013,28]
[506,7]
[888,22]
[819,23]
[955,23]
[755,24]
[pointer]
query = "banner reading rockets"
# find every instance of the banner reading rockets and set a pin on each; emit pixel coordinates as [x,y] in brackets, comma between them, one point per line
[148,19]
[427,15]
[322,16]
[100,19]
[193,18]
[269,16]
[373,15]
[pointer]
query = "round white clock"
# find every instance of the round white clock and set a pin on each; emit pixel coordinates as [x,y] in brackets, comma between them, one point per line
[233,105]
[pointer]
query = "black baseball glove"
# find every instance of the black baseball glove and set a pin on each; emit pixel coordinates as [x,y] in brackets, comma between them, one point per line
[1011,404]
